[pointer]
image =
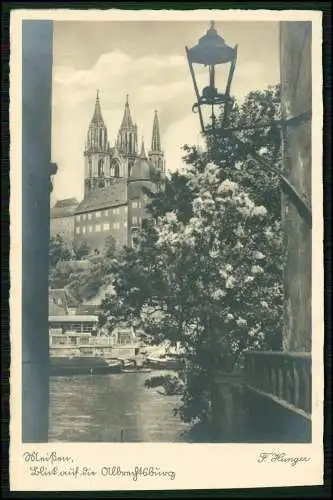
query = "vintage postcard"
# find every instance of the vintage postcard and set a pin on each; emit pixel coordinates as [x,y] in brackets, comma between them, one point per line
[166,249]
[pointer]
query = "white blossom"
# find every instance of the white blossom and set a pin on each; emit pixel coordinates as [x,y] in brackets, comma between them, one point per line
[223,273]
[240,231]
[259,211]
[171,217]
[258,255]
[214,254]
[241,321]
[227,186]
[264,304]
[257,270]
[263,151]
[230,282]
[218,294]
[238,246]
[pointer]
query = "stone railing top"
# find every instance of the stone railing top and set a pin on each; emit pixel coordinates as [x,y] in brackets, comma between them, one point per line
[279,354]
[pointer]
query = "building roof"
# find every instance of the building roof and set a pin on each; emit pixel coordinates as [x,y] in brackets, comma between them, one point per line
[156,140]
[55,309]
[64,208]
[127,121]
[73,265]
[60,301]
[140,170]
[97,116]
[73,318]
[87,309]
[101,198]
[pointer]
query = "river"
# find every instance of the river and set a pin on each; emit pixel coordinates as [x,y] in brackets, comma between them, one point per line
[99,408]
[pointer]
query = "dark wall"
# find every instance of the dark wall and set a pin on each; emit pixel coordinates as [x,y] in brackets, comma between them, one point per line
[36,157]
[296,94]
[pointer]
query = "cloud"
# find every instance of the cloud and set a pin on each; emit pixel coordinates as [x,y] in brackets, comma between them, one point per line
[153,82]
[185,131]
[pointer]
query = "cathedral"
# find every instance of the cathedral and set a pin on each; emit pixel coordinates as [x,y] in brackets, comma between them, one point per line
[114,181]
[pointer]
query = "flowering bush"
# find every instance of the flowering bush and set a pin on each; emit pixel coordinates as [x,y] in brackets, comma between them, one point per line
[206,274]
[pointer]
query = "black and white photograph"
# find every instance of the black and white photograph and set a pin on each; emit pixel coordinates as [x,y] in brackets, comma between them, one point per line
[169,279]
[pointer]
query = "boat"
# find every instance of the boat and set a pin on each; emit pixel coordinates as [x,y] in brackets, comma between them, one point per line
[136,370]
[164,363]
[83,365]
[115,365]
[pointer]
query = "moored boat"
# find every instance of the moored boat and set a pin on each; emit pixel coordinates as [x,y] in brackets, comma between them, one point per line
[79,365]
[136,370]
[164,363]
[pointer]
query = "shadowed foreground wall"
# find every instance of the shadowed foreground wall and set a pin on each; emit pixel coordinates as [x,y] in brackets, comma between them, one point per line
[36,157]
[296,97]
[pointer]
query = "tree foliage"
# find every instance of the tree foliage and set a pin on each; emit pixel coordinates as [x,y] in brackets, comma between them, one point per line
[207,270]
[58,251]
[84,278]
[81,249]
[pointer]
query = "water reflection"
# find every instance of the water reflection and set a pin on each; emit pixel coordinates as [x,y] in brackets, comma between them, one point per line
[99,408]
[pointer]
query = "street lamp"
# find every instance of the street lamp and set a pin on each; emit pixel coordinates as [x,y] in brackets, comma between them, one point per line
[211,50]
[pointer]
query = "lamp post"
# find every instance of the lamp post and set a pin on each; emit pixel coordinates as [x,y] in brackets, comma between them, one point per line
[211,50]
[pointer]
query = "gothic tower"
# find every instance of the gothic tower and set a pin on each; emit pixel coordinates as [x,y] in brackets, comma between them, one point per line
[127,141]
[156,155]
[96,152]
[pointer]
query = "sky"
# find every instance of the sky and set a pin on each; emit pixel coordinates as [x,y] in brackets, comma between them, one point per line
[146,60]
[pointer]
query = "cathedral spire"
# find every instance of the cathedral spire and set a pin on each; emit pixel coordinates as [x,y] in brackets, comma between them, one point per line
[143,151]
[127,119]
[97,116]
[156,140]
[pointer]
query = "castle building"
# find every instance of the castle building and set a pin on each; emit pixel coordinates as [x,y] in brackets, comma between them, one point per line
[63,218]
[114,181]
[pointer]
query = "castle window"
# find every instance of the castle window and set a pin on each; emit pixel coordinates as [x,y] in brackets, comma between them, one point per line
[116,170]
[100,168]
[125,208]
[134,204]
[98,214]
[90,167]
[134,220]
[106,213]
[90,228]
[125,223]
[77,217]
[98,228]
[89,216]
[83,230]
[116,211]
[134,236]
[106,226]
[77,230]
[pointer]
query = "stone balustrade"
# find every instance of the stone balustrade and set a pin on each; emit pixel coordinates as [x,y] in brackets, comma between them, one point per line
[285,376]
